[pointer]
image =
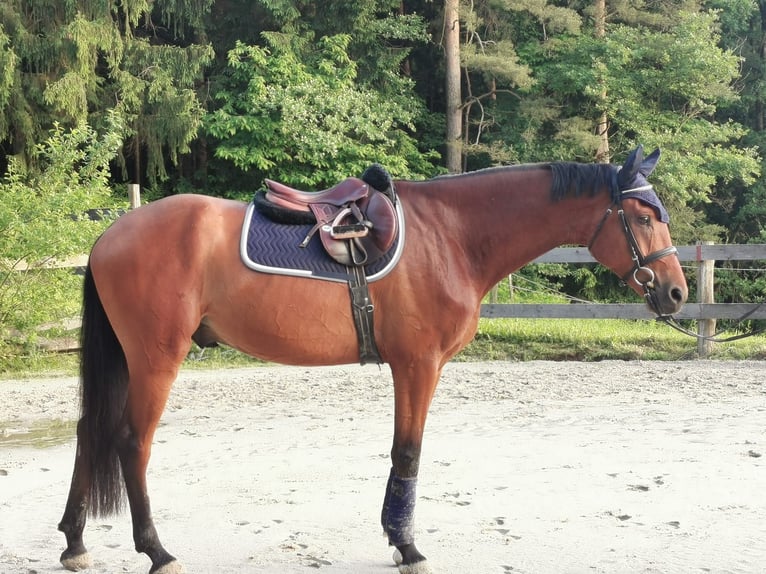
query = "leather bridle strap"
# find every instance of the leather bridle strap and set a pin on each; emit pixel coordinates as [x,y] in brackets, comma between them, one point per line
[640,261]
[640,265]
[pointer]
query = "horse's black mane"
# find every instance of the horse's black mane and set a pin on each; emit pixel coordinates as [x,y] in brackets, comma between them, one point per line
[569,178]
[578,178]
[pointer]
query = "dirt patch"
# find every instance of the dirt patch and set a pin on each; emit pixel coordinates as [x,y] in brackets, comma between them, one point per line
[527,467]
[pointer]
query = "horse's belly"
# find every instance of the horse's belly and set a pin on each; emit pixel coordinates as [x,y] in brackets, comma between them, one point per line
[298,322]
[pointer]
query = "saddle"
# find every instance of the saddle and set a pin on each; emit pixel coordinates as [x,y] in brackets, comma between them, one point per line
[356,223]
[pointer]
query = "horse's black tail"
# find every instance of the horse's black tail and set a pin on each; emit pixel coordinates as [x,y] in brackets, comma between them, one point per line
[103,389]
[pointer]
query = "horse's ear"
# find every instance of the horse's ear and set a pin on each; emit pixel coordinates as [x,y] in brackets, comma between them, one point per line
[648,165]
[630,167]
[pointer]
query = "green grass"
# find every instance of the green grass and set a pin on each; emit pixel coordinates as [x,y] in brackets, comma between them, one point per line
[496,340]
[594,340]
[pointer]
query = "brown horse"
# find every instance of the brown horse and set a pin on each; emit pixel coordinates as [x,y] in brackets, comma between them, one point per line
[171,272]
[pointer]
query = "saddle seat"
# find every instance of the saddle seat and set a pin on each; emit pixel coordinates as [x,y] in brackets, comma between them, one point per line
[348,190]
[356,223]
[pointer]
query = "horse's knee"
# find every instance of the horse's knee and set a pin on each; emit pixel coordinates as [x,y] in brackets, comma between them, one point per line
[127,443]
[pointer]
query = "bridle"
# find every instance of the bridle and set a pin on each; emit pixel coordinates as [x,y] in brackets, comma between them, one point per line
[640,273]
[645,277]
[640,263]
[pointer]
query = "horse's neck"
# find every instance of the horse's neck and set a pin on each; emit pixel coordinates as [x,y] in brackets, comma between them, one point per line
[502,221]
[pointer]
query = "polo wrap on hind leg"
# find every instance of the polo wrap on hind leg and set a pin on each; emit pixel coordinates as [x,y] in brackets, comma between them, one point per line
[398,516]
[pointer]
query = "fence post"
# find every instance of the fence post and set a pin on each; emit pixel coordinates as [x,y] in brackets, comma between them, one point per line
[493,295]
[134,195]
[705,327]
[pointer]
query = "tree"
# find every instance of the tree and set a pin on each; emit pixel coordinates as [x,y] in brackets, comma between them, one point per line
[297,114]
[451,33]
[43,216]
[741,210]
[602,129]
[658,77]
[73,61]
[495,73]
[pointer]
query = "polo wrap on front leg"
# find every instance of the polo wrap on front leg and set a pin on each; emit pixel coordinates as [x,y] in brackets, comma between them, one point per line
[398,516]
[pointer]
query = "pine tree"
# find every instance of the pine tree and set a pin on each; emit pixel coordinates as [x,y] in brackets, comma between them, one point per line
[74,61]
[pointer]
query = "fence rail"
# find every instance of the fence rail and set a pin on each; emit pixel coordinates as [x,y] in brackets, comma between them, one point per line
[686,253]
[705,254]
[696,311]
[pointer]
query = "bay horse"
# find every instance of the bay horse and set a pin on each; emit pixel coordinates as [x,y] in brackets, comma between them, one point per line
[170,272]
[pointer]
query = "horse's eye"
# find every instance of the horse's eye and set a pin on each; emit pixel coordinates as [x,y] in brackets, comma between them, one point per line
[644,219]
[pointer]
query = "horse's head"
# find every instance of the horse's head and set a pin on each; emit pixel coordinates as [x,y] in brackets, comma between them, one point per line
[632,238]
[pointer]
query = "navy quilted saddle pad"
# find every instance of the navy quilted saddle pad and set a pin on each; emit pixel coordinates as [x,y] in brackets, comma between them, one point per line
[271,247]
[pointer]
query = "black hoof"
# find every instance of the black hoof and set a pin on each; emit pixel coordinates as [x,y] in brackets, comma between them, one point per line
[408,555]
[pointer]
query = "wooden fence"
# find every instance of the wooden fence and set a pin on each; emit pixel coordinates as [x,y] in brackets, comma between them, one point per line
[704,310]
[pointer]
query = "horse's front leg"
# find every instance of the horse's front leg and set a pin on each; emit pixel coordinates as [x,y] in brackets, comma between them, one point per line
[414,387]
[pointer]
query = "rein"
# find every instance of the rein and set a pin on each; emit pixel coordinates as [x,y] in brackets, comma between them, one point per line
[714,338]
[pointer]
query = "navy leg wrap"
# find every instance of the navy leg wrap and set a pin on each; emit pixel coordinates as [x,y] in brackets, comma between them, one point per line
[398,513]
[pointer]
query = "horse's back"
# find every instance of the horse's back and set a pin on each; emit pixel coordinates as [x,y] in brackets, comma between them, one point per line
[164,222]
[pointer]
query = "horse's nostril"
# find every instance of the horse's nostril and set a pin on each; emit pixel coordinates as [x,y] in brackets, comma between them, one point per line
[678,295]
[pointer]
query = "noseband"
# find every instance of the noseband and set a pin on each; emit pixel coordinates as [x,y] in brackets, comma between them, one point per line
[640,273]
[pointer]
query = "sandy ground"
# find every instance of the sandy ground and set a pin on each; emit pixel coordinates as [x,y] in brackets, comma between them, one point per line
[534,467]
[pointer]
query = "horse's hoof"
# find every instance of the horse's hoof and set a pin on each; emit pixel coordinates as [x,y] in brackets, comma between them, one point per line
[76,563]
[421,567]
[172,567]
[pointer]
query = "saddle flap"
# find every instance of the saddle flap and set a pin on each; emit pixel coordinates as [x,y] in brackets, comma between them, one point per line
[373,229]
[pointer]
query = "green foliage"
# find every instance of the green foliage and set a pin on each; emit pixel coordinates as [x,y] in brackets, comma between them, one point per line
[660,80]
[42,217]
[159,101]
[70,62]
[310,92]
[300,117]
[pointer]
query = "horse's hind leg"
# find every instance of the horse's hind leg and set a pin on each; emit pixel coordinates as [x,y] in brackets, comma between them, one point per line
[147,396]
[72,524]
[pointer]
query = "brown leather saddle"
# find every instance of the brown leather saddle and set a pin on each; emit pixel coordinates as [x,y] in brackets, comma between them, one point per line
[356,223]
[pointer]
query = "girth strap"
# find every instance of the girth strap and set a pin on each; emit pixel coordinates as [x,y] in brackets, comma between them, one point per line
[362,311]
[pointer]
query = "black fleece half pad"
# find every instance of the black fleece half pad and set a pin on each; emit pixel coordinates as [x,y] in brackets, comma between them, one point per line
[271,247]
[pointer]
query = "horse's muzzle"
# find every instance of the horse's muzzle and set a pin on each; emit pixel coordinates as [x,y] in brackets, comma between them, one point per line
[665,299]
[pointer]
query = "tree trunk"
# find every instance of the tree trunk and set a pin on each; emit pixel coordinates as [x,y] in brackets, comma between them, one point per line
[759,104]
[452,85]
[602,129]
